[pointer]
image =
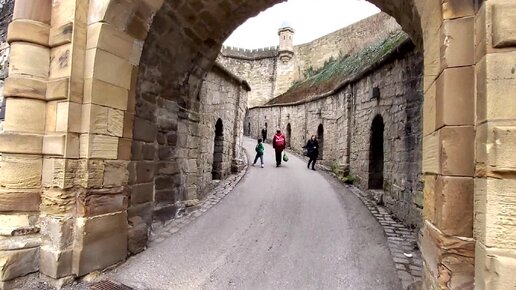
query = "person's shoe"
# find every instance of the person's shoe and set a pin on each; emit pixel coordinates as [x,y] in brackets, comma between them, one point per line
[313,169]
[262,165]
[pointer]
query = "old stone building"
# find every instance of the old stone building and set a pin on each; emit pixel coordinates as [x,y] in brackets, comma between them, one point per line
[384,94]
[55,166]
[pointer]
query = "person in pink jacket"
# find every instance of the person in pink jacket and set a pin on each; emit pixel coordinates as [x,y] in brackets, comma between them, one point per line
[278,143]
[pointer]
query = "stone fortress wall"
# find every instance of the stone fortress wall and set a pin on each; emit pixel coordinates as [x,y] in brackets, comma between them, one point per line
[173,149]
[269,77]
[346,118]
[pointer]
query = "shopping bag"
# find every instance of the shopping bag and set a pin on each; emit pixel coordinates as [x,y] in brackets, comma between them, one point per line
[285,157]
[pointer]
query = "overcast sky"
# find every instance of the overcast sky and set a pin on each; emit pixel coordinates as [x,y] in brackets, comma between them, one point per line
[311,19]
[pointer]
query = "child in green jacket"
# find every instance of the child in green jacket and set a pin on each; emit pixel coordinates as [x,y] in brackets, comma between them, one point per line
[259,152]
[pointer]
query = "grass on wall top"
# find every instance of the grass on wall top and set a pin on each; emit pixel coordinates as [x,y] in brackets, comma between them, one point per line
[338,70]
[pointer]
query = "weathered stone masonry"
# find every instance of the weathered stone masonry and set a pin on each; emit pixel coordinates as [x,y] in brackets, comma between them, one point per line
[270,75]
[172,149]
[346,117]
[58,49]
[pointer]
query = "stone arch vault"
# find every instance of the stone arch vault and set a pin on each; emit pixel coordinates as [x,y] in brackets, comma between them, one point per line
[69,54]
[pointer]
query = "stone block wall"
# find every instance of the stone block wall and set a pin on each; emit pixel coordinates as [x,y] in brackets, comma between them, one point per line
[259,72]
[173,141]
[224,99]
[6,11]
[344,41]
[346,117]
[399,103]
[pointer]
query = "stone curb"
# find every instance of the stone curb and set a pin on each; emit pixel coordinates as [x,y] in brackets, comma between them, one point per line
[213,198]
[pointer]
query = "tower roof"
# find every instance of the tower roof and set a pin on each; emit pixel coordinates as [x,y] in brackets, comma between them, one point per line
[285,24]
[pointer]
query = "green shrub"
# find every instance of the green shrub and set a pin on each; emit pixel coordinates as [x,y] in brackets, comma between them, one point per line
[348,179]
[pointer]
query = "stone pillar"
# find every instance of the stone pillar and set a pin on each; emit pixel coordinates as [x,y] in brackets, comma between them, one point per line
[22,142]
[446,239]
[495,182]
[68,129]
[115,34]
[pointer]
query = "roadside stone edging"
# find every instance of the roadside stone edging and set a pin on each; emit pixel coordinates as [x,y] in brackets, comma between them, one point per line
[213,198]
[401,241]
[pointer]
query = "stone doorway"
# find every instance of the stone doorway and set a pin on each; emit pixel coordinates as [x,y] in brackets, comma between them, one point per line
[320,139]
[218,151]
[289,135]
[376,154]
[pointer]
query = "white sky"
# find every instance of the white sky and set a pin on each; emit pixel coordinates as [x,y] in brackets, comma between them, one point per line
[310,19]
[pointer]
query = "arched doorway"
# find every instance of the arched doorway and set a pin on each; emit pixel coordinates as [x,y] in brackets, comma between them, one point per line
[376,152]
[264,132]
[289,135]
[218,151]
[320,139]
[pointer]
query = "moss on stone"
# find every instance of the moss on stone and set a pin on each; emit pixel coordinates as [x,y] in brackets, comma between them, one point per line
[336,71]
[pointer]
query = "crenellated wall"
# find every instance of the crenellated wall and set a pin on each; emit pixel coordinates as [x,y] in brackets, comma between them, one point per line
[346,117]
[269,77]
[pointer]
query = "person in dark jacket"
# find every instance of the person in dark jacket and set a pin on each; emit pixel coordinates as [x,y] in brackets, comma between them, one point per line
[264,134]
[312,148]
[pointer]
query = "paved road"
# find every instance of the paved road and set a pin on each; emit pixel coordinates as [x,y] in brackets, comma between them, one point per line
[281,228]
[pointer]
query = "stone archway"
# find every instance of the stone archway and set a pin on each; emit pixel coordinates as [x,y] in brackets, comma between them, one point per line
[63,161]
[376,154]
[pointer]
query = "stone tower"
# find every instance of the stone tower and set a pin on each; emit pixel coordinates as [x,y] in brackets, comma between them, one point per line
[286,42]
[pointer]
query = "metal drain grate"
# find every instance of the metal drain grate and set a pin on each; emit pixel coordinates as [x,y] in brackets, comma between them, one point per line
[110,285]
